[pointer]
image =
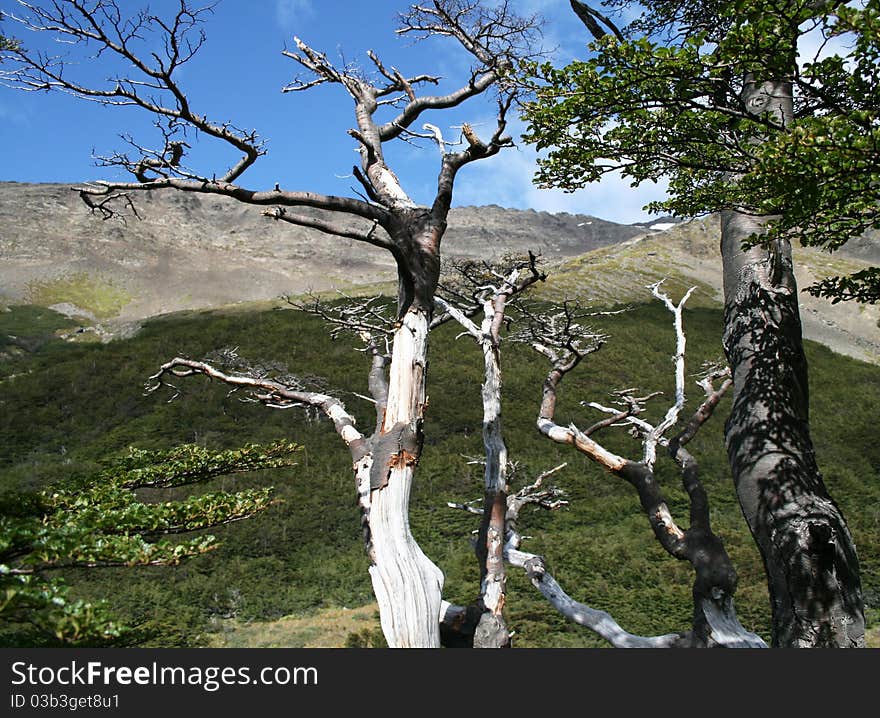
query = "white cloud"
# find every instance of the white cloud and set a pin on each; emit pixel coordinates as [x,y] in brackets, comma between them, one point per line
[506,180]
[289,12]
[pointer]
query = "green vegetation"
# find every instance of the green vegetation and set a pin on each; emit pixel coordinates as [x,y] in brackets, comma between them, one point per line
[620,273]
[24,329]
[7,44]
[66,408]
[113,520]
[93,296]
[666,98]
[327,628]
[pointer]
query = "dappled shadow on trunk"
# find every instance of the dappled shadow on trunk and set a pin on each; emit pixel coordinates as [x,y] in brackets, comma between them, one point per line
[806,546]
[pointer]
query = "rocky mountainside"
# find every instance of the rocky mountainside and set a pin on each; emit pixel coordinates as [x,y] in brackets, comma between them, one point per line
[190,252]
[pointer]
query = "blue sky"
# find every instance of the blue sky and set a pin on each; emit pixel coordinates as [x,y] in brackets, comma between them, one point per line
[238,75]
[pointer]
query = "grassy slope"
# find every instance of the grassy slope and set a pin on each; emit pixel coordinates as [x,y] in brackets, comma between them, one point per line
[326,628]
[65,406]
[684,256]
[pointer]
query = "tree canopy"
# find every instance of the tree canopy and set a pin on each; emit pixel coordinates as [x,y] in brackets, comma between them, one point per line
[406,582]
[720,98]
[665,98]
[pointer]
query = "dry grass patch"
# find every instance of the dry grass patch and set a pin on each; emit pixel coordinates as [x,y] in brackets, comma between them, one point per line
[327,628]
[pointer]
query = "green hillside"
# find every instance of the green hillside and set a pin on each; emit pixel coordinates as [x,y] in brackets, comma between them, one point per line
[65,407]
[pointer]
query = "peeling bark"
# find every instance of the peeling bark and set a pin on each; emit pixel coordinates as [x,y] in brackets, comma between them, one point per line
[407,584]
[491,630]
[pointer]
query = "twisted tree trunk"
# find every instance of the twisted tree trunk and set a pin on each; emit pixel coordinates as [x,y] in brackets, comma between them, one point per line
[407,584]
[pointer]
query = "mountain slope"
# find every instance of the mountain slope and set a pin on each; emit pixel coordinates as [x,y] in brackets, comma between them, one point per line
[191,252]
[687,255]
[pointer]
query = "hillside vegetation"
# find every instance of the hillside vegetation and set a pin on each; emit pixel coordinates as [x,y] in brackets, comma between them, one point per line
[189,252]
[687,255]
[66,407]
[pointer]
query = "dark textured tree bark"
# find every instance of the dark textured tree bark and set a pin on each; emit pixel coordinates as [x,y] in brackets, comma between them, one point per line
[808,552]
[807,549]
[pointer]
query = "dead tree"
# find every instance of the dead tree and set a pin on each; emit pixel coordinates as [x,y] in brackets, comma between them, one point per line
[480,287]
[564,341]
[387,105]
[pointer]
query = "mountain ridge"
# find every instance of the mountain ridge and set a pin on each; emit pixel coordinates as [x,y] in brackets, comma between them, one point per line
[190,252]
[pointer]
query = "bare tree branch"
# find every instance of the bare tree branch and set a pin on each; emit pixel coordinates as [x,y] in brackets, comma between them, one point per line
[407,584]
[469,286]
[334,228]
[715,619]
[360,316]
[372,320]
[671,417]
[493,296]
[275,197]
[535,568]
[270,392]
[105,206]
[152,86]
[593,20]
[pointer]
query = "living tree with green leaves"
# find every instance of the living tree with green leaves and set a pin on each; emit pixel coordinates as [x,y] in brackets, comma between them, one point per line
[117,519]
[764,112]
[667,102]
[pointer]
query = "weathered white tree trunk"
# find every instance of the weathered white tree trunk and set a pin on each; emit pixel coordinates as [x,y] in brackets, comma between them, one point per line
[407,584]
[491,629]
